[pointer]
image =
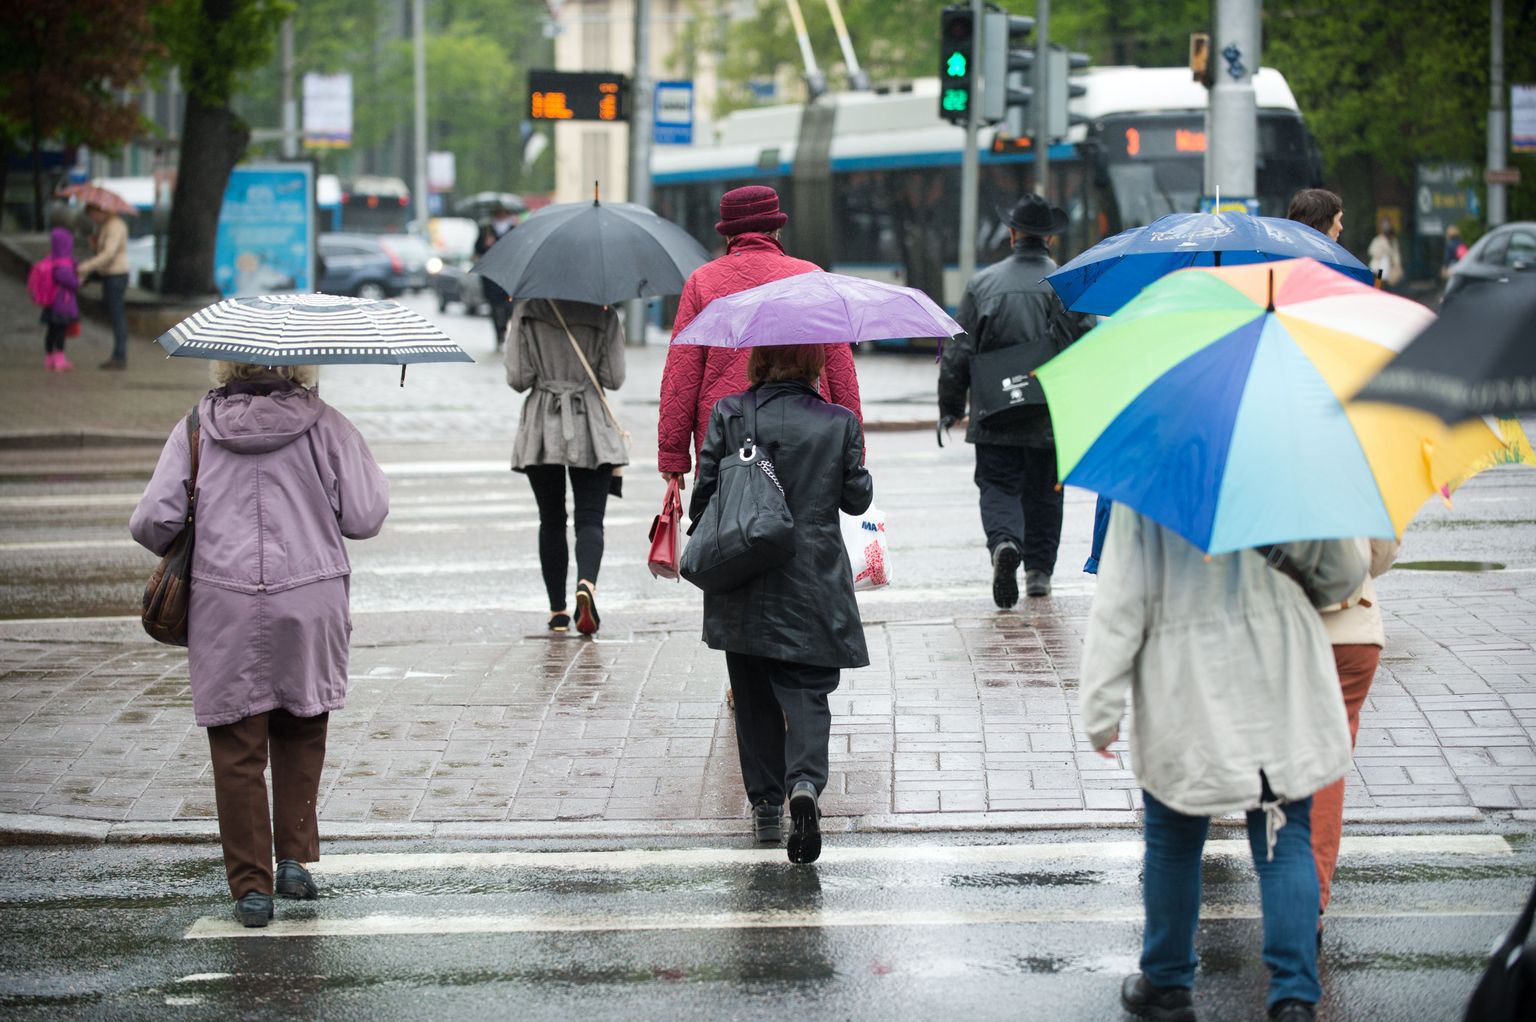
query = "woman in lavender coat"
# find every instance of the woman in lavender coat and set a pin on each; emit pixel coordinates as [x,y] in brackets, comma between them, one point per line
[282,477]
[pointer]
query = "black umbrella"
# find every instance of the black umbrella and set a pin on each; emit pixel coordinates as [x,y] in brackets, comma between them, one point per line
[481,204]
[594,252]
[1478,358]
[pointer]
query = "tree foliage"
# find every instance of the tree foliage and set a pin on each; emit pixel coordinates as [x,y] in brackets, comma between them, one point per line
[61,68]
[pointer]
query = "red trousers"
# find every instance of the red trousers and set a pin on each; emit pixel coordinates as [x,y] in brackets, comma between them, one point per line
[1357,666]
[249,832]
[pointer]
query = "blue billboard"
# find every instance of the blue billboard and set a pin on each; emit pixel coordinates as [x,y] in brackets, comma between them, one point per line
[266,240]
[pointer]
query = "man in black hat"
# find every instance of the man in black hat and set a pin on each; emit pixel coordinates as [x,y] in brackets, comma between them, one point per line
[1014,323]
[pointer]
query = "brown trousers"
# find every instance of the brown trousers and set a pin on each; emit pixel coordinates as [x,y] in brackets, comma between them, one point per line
[1357,667]
[240,754]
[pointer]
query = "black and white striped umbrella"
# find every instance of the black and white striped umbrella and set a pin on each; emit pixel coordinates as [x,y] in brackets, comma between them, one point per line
[310,329]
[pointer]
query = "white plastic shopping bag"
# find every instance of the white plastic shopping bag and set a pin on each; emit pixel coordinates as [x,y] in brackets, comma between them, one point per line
[864,536]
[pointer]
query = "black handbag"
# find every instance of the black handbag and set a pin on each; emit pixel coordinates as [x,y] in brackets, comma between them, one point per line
[746,528]
[168,595]
[1507,991]
[1002,387]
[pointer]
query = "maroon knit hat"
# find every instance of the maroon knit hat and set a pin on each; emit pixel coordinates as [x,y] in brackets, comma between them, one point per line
[750,208]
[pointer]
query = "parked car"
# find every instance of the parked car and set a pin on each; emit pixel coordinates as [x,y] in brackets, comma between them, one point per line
[414,253]
[1497,257]
[360,265]
[453,241]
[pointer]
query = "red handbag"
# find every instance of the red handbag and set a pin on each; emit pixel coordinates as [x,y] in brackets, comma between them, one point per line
[664,530]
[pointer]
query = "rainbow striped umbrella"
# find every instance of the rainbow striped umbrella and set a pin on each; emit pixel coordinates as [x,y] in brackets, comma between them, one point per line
[1215,404]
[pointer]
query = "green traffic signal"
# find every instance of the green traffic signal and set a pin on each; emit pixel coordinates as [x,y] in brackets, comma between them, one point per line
[955,100]
[955,65]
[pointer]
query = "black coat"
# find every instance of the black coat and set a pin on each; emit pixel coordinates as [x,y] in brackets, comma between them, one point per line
[1008,304]
[805,611]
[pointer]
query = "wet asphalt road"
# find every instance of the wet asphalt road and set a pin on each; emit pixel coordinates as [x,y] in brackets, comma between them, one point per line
[882,928]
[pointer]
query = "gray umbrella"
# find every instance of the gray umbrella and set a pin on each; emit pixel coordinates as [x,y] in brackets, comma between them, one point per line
[594,252]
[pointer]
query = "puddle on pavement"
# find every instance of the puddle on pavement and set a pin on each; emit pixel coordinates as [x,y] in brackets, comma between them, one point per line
[1447,566]
[1066,878]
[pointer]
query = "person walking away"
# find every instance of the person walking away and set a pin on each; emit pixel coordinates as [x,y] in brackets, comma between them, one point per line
[110,263]
[1386,259]
[1009,305]
[281,478]
[1455,251]
[1234,706]
[502,221]
[1357,636]
[56,289]
[567,429]
[1319,209]
[696,376]
[788,632]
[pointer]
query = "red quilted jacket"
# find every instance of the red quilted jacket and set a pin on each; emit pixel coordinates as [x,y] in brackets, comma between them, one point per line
[696,377]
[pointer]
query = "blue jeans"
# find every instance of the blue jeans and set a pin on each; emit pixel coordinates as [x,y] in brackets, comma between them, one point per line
[114,288]
[1287,891]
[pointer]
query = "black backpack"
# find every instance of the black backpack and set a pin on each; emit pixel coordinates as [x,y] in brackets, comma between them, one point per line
[1507,991]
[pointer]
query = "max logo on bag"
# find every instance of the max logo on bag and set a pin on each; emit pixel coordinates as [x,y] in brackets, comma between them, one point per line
[1015,386]
[868,526]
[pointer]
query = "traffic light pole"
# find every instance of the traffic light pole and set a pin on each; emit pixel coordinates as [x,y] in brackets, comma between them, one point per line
[1233,119]
[970,163]
[1042,101]
[1498,130]
[640,130]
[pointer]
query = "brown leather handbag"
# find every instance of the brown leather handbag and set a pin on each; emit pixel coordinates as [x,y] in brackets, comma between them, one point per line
[167,596]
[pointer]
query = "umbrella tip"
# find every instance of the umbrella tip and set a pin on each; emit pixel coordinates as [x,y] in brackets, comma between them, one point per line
[1271,306]
[594,193]
[402,376]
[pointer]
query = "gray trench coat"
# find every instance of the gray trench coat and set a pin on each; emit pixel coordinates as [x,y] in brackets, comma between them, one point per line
[563,421]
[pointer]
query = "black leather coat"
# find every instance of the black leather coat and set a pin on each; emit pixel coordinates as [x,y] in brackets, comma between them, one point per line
[1007,304]
[805,611]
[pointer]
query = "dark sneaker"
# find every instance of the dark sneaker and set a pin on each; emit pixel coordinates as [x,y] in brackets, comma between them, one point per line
[294,881]
[1005,567]
[587,619]
[768,823]
[1037,583]
[113,363]
[559,622]
[254,909]
[804,824]
[1290,1010]
[1162,1004]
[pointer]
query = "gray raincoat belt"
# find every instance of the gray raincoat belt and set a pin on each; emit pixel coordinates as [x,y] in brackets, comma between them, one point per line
[570,401]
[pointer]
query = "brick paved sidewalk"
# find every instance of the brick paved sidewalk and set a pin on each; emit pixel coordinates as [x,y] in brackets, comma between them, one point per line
[956,723]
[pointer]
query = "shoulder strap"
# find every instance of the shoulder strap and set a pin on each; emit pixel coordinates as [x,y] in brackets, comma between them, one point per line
[1279,560]
[581,356]
[194,430]
[749,419]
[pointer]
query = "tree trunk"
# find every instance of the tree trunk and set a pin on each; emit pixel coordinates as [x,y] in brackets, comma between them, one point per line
[212,141]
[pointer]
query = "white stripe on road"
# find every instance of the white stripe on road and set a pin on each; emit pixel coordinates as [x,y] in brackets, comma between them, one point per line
[70,544]
[1386,846]
[215,928]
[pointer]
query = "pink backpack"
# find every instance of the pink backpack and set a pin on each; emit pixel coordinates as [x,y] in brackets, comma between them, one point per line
[40,283]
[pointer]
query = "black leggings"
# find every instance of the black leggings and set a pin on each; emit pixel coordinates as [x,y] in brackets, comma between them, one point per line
[589,486]
[53,340]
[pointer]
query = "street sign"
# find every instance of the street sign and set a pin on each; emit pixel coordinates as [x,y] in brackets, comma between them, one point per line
[1502,176]
[1522,118]
[1444,196]
[577,96]
[674,113]
[327,111]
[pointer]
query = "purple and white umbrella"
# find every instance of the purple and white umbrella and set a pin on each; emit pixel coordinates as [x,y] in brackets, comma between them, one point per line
[818,308]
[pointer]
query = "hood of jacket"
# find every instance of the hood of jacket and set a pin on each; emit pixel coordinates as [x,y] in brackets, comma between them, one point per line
[258,417]
[62,244]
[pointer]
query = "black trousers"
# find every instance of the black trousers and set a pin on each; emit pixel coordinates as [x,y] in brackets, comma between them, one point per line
[782,724]
[53,340]
[1020,502]
[501,314]
[589,488]
[114,291]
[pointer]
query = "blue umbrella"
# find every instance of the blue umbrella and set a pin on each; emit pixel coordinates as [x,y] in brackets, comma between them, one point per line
[1115,270]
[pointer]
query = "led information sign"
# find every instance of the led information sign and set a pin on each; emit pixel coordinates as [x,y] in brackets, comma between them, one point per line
[1154,139]
[577,96]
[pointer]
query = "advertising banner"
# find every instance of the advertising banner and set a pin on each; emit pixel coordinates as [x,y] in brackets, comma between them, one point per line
[1522,118]
[1445,196]
[327,111]
[266,240]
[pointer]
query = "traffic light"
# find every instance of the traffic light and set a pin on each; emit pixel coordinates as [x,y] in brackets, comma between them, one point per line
[956,42]
[1060,88]
[1006,62]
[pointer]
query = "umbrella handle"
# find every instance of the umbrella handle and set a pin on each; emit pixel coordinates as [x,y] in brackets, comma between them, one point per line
[402,375]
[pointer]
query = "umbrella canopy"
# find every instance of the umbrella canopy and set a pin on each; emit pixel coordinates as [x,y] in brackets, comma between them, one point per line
[1478,358]
[479,205]
[1115,270]
[102,198]
[310,329]
[817,308]
[594,252]
[1215,404]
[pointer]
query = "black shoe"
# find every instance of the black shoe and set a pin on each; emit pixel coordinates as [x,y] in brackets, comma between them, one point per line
[114,363]
[804,824]
[254,909]
[1005,566]
[1291,1010]
[560,622]
[1164,1004]
[768,823]
[1037,583]
[587,619]
[294,881]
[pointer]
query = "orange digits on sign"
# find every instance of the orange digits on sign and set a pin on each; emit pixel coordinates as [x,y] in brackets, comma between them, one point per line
[549,106]
[1132,142]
